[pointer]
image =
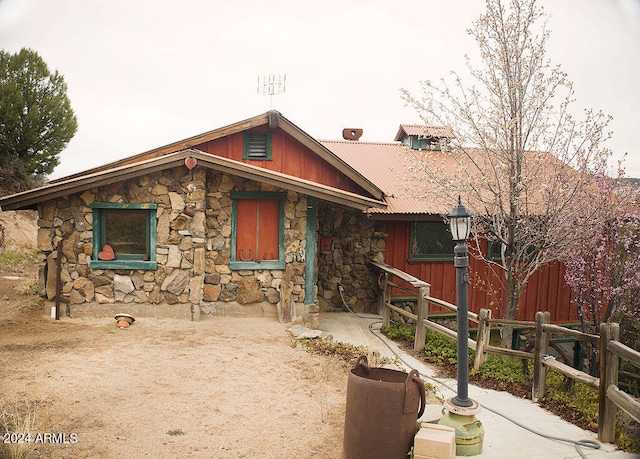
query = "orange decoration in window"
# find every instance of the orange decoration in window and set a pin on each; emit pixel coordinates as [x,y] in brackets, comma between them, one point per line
[107,253]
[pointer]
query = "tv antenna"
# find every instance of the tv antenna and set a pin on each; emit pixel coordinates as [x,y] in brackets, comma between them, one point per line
[272,85]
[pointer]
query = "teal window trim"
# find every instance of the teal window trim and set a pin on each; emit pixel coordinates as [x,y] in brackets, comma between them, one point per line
[124,261]
[429,257]
[234,263]
[247,154]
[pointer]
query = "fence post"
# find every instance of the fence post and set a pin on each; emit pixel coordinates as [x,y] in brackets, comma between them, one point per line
[608,375]
[385,294]
[482,340]
[423,313]
[541,348]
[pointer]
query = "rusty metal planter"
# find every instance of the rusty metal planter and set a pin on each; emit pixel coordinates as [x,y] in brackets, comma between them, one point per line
[383,406]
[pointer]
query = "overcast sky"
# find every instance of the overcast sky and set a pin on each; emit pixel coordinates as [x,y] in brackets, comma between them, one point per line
[145,73]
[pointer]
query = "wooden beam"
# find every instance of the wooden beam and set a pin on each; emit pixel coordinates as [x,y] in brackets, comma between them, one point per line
[401,274]
[423,314]
[541,348]
[626,402]
[509,352]
[484,333]
[624,352]
[572,373]
[575,334]
[608,376]
[521,323]
[472,315]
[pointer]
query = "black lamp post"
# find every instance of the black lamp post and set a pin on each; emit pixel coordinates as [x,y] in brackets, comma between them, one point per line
[460,410]
[460,223]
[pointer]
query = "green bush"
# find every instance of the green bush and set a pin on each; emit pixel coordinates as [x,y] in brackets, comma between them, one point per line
[503,368]
[398,331]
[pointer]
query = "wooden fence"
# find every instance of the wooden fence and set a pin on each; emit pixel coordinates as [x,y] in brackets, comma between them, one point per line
[611,350]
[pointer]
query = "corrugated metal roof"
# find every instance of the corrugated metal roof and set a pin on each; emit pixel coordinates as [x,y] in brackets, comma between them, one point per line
[396,170]
[387,165]
[424,131]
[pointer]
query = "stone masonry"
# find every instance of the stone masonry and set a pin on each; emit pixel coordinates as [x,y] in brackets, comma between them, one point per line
[355,242]
[193,252]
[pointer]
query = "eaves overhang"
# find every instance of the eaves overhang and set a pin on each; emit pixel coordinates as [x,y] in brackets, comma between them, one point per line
[79,184]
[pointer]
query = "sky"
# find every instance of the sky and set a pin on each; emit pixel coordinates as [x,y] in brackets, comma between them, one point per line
[145,73]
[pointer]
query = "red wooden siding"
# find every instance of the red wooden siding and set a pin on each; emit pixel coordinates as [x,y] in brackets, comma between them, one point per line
[288,157]
[546,290]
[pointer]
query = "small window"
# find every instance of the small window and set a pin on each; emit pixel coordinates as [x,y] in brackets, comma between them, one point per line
[257,231]
[430,241]
[130,231]
[494,250]
[257,145]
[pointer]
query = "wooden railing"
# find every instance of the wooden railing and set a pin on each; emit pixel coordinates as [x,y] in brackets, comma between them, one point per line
[610,395]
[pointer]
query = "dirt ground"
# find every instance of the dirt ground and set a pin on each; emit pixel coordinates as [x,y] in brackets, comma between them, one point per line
[220,388]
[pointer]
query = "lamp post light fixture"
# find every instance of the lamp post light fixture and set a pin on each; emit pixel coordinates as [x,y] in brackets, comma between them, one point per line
[460,224]
[460,410]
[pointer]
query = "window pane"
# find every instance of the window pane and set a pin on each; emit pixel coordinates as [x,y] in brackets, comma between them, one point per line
[126,231]
[431,239]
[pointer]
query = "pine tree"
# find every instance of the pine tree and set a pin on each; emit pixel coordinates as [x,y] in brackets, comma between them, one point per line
[36,120]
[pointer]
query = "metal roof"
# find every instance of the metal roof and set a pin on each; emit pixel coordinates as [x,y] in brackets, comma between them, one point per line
[388,166]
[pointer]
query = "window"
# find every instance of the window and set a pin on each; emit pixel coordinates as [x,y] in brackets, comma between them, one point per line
[494,250]
[257,228]
[257,145]
[430,241]
[130,230]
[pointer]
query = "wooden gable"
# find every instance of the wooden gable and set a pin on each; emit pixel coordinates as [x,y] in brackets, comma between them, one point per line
[288,156]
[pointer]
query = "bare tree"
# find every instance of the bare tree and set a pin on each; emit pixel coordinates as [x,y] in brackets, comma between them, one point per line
[520,160]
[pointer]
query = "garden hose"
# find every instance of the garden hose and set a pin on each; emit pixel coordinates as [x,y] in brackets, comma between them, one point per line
[577,443]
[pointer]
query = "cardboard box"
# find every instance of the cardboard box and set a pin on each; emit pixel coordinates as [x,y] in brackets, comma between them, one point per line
[434,441]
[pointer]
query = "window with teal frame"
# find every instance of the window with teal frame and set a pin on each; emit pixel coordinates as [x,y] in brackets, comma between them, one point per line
[257,230]
[130,230]
[257,145]
[430,241]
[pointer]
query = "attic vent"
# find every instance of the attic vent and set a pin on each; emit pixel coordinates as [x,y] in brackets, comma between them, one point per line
[351,134]
[257,145]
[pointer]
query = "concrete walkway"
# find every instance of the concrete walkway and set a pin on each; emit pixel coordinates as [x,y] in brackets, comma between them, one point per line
[502,438]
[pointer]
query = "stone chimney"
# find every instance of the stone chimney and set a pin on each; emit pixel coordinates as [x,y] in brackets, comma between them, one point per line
[351,134]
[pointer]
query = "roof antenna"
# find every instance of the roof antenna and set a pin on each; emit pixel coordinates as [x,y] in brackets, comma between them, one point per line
[272,85]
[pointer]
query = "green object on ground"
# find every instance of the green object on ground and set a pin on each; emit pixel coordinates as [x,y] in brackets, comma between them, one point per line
[469,433]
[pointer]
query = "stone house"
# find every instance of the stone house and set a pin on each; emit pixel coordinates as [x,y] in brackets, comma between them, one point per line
[229,221]
[257,217]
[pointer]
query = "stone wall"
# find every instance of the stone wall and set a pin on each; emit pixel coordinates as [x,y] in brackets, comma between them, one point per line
[193,252]
[355,241]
